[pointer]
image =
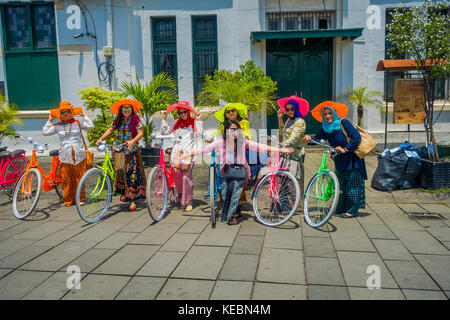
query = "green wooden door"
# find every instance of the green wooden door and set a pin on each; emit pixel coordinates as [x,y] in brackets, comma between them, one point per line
[315,82]
[300,70]
[282,67]
[31,60]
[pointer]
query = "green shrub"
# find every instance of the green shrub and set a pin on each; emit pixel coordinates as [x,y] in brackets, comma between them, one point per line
[98,99]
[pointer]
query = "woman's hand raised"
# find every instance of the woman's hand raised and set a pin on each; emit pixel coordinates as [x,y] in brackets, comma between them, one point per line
[164,114]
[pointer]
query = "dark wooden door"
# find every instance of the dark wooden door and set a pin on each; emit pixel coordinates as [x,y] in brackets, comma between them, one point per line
[305,71]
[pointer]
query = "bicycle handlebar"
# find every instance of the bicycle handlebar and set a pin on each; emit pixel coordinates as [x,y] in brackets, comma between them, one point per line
[103,147]
[36,146]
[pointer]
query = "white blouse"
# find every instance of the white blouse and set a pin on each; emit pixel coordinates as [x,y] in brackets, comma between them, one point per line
[69,138]
[185,140]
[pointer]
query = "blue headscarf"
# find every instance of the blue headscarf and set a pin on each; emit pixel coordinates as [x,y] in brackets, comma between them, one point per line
[335,125]
[296,108]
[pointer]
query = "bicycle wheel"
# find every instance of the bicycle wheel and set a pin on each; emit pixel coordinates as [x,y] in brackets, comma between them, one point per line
[12,173]
[95,189]
[26,193]
[276,198]
[58,182]
[212,197]
[157,193]
[321,198]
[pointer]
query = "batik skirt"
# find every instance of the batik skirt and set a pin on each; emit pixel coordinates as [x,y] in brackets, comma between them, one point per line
[353,194]
[129,175]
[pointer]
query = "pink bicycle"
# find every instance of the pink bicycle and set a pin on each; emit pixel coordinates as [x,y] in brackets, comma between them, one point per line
[12,164]
[160,183]
[277,193]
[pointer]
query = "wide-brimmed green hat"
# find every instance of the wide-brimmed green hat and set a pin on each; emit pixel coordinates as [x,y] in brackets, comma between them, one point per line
[240,107]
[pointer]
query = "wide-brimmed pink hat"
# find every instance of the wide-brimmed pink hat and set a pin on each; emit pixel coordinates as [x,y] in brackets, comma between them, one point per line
[181,105]
[303,105]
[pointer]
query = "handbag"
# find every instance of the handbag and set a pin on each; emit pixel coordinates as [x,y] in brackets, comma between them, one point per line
[367,143]
[89,155]
[236,172]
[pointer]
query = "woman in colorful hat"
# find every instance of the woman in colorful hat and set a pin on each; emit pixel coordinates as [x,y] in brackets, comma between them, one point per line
[186,130]
[350,170]
[231,151]
[72,149]
[292,132]
[239,112]
[129,171]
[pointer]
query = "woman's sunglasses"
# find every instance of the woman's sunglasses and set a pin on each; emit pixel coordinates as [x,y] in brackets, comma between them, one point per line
[290,109]
[126,108]
[66,111]
[230,111]
[233,130]
[182,112]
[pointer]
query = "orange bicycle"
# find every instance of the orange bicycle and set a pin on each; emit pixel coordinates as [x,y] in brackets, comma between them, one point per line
[28,187]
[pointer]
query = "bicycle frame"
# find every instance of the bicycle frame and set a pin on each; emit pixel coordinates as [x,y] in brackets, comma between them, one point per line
[167,173]
[4,164]
[329,189]
[217,176]
[108,169]
[35,164]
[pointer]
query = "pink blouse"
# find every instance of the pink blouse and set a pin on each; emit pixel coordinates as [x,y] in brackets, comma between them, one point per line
[220,147]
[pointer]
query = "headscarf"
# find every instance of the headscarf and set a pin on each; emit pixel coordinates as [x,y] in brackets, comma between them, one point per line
[296,109]
[335,125]
[184,123]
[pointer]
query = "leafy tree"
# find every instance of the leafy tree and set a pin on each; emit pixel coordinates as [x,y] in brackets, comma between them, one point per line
[99,99]
[249,85]
[423,33]
[155,96]
[8,116]
[363,99]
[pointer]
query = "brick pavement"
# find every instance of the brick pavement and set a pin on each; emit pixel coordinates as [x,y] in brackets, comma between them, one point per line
[127,256]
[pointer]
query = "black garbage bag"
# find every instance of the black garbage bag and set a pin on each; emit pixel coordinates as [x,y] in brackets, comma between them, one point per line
[410,177]
[389,172]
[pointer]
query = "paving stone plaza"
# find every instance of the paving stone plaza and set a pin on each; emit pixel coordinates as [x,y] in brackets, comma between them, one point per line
[404,236]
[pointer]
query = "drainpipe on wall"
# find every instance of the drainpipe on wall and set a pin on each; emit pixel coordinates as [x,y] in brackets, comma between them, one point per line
[109,31]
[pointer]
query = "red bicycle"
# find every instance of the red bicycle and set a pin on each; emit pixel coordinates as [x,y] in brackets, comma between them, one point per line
[12,164]
[160,182]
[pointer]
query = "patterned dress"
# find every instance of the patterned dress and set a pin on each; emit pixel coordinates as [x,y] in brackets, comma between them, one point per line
[129,171]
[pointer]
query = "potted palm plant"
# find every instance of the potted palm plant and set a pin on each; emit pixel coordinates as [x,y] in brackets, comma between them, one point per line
[362,100]
[155,96]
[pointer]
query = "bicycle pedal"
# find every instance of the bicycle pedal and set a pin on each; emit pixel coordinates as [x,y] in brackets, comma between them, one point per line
[206,197]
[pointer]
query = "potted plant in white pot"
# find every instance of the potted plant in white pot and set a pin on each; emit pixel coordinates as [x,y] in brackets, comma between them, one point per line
[155,96]
[422,33]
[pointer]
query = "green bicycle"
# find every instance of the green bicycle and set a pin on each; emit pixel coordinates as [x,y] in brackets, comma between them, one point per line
[96,188]
[322,192]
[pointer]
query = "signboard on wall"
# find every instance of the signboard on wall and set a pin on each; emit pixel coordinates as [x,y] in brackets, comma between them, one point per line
[408,101]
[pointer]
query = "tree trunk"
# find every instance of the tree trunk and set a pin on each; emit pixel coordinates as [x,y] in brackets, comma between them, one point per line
[360,115]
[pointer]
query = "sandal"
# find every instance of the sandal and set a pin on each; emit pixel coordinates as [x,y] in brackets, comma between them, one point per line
[232,221]
[132,208]
[123,199]
[348,215]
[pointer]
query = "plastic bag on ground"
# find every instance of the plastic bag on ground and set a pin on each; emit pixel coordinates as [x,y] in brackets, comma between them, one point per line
[410,178]
[390,170]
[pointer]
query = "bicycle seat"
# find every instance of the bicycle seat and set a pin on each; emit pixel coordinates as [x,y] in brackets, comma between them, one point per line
[5,154]
[54,153]
[168,151]
[17,152]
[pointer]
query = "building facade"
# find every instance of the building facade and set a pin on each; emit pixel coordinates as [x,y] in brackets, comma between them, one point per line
[50,50]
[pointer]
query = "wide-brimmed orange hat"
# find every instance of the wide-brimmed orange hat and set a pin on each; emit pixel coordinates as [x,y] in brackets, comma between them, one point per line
[133,103]
[340,108]
[65,105]
[181,105]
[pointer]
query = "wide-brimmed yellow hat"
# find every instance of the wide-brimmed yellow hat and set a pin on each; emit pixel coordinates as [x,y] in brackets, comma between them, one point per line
[240,107]
[134,103]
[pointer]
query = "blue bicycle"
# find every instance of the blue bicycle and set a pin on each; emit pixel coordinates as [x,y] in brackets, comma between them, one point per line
[214,188]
